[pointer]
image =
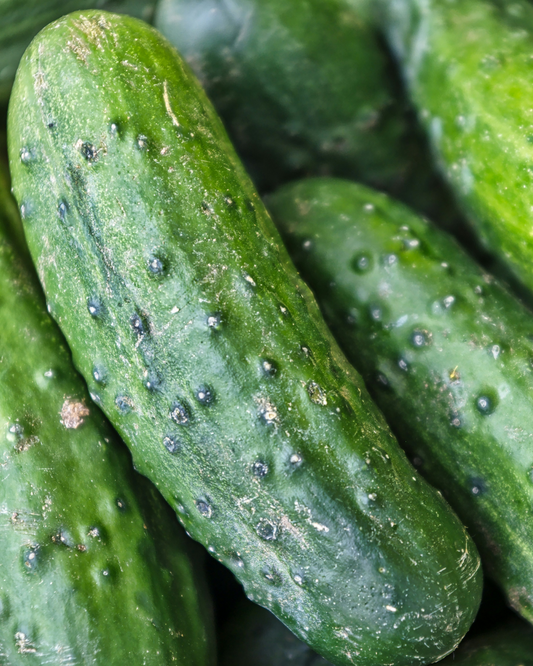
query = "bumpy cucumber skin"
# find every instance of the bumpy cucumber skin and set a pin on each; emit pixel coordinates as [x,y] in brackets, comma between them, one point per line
[252,636]
[383,277]
[306,88]
[512,645]
[93,567]
[21,21]
[467,65]
[170,281]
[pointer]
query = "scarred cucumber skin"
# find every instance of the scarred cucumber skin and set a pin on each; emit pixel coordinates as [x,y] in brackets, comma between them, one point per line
[21,21]
[467,66]
[93,567]
[446,352]
[210,357]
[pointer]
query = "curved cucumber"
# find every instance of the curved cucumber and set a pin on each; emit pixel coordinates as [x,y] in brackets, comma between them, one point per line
[445,351]
[93,567]
[254,637]
[467,65]
[21,21]
[306,87]
[210,357]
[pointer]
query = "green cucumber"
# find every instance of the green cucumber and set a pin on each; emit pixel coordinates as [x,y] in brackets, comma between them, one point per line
[254,637]
[210,357]
[306,88]
[509,645]
[21,21]
[446,352]
[93,566]
[467,65]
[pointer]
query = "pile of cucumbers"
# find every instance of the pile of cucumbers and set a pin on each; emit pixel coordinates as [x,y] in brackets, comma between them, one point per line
[243,223]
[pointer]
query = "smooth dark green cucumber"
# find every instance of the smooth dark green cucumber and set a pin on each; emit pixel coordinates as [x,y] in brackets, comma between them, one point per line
[446,352]
[468,67]
[210,356]
[307,88]
[21,21]
[93,566]
[509,645]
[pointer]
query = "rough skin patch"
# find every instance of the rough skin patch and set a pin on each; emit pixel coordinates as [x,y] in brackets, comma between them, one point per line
[72,413]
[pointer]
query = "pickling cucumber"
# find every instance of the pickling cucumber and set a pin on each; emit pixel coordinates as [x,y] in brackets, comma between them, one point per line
[467,66]
[307,88]
[210,357]
[510,645]
[93,566]
[21,21]
[446,352]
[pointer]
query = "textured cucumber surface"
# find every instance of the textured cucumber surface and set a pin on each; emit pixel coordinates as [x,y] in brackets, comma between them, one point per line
[93,567]
[306,87]
[511,645]
[446,352]
[21,21]
[210,356]
[467,64]
[252,636]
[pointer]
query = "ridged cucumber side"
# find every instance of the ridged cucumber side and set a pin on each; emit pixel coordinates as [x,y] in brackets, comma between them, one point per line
[446,352]
[306,88]
[21,21]
[467,65]
[209,354]
[93,566]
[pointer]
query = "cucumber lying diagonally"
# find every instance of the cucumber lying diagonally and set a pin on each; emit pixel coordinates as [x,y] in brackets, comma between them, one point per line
[446,352]
[93,567]
[208,353]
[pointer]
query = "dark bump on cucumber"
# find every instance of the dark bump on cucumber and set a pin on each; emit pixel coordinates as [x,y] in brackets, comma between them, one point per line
[25,210]
[205,395]
[204,508]
[362,262]
[171,444]
[214,321]
[124,404]
[260,469]
[267,530]
[486,403]
[403,365]
[26,155]
[477,486]
[62,210]
[31,558]
[420,338]
[250,205]
[179,413]
[284,311]
[156,266]
[249,280]
[142,142]
[152,382]
[389,260]
[382,380]
[267,412]
[121,504]
[138,325]
[95,307]
[295,460]
[115,128]
[89,152]
[229,201]
[100,374]
[316,393]
[269,368]
[455,420]
[307,244]
[376,313]
[273,576]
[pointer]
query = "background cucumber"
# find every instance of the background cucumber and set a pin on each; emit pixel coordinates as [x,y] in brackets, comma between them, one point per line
[467,66]
[209,355]
[307,88]
[93,567]
[446,352]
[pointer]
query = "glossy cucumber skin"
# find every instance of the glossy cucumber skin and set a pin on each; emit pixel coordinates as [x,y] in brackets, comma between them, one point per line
[93,567]
[446,352]
[21,21]
[511,645]
[252,636]
[467,66]
[169,280]
[306,88]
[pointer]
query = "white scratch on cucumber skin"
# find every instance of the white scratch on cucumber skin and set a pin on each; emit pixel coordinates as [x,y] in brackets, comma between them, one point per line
[167,104]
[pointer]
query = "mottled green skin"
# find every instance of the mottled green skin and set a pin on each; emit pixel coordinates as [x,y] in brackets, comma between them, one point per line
[21,20]
[467,64]
[511,645]
[170,281]
[254,637]
[476,343]
[93,567]
[306,88]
